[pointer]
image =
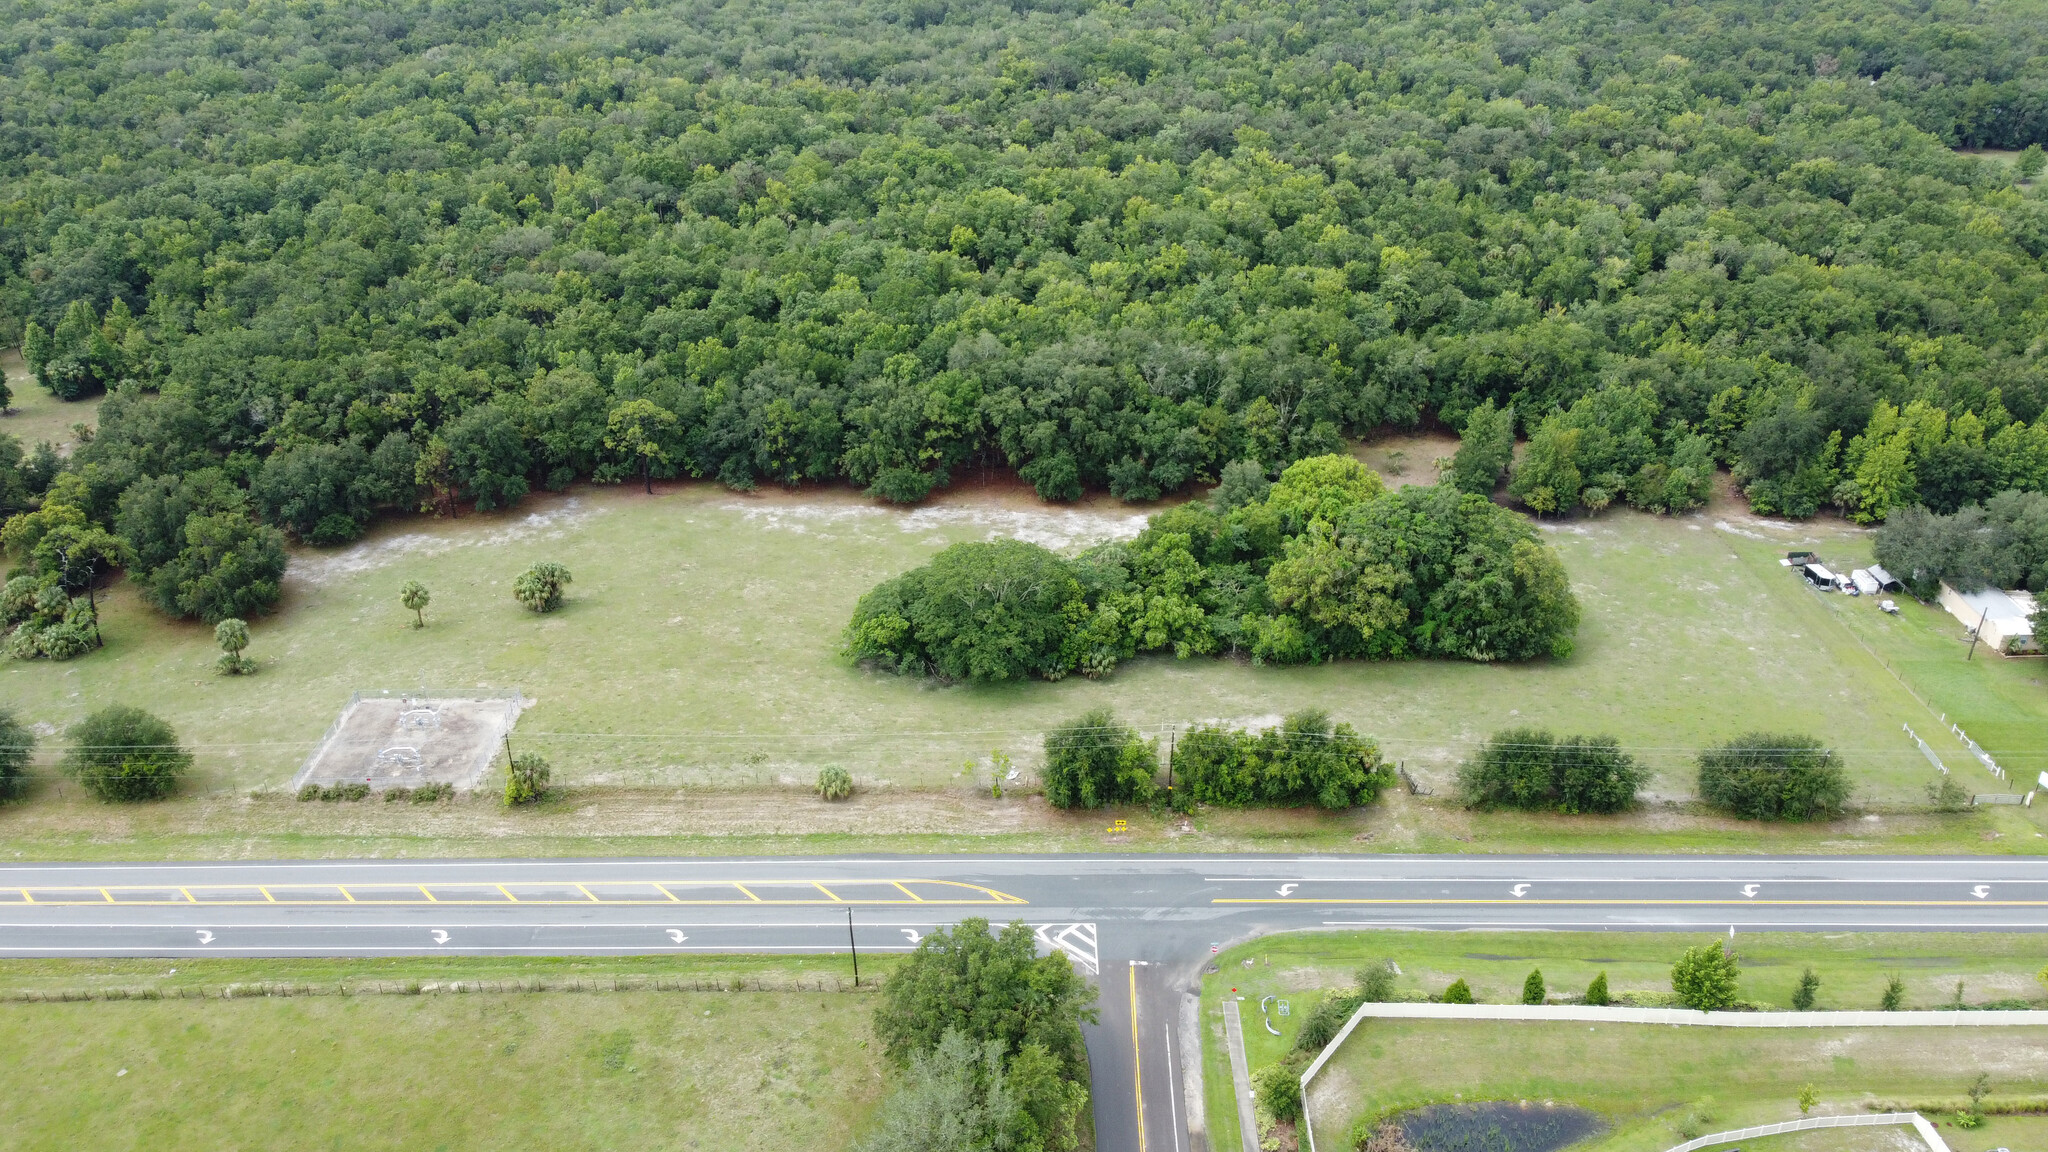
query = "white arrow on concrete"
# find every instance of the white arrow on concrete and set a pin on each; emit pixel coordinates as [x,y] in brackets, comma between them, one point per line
[1749,889]
[205,937]
[676,934]
[1981,891]
[1288,889]
[910,934]
[1521,890]
[440,937]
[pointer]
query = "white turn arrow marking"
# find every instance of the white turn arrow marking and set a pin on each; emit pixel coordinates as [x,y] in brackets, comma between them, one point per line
[440,937]
[205,937]
[911,934]
[676,934]
[1288,889]
[1981,891]
[1749,889]
[1521,889]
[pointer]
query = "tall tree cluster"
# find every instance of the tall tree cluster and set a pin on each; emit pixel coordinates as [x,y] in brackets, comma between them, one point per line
[1326,565]
[351,257]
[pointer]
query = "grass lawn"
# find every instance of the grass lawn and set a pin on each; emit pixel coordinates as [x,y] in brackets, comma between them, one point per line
[1658,1085]
[699,647]
[35,415]
[1853,968]
[669,1070]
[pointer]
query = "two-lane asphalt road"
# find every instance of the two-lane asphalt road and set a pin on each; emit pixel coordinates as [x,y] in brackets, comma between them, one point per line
[1145,925]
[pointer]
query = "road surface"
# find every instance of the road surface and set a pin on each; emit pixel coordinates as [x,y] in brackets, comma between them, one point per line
[1144,925]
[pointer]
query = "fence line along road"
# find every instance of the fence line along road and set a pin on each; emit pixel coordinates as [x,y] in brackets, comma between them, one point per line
[1686,1017]
[1919,1122]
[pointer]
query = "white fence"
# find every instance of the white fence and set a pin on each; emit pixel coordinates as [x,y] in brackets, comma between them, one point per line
[1927,1132]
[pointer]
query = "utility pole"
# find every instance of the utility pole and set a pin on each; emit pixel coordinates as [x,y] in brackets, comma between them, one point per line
[852,947]
[1978,634]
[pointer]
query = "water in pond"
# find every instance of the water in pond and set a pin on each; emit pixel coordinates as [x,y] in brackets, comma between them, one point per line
[1497,1126]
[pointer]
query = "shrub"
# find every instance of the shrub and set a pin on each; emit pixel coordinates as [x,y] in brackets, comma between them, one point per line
[1376,982]
[1773,776]
[309,793]
[1704,977]
[354,791]
[526,779]
[540,587]
[1326,1019]
[1808,1097]
[1279,1091]
[1803,995]
[1306,760]
[1533,991]
[1596,992]
[1945,795]
[1458,993]
[17,744]
[1095,760]
[123,753]
[1530,769]
[391,795]
[1894,997]
[835,783]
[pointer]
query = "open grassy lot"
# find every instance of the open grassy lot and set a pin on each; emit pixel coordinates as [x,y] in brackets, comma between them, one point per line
[35,415]
[1657,1085]
[2012,1132]
[669,1070]
[1853,968]
[699,647]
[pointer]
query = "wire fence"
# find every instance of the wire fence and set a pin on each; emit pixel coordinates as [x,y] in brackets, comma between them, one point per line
[289,988]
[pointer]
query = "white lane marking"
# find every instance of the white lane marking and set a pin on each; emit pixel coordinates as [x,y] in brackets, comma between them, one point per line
[1288,889]
[1981,891]
[205,937]
[1749,889]
[910,934]
[440,936]
[676,934]
[1521,890]
[1172,1087]
[1076,940]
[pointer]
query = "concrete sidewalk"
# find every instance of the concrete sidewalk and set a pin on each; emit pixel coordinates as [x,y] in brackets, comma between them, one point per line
[1240,1076]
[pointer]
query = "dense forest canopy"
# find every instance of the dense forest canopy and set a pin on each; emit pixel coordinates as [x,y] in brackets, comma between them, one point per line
[336,257]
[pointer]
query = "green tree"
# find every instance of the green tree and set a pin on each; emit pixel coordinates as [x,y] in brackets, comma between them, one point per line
[228,566]
[1547,478]
[1242,483]
[1808,1097]
[1458,993]
[540,586]
[415,597]
[487,454]
[1705,977]
[1533,991]
[987,987]
[232,635]
[1002,610]
[121,753]
[1596,992]
[1773,776]
[641,429]
[1095,760]
[17,745]
[1804,994]
[1528,768]
[2029,162]
[1485,449]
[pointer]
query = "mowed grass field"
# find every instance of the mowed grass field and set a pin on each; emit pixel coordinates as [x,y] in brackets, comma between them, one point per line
[657,1070]
[700,646]
[1638,1077]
